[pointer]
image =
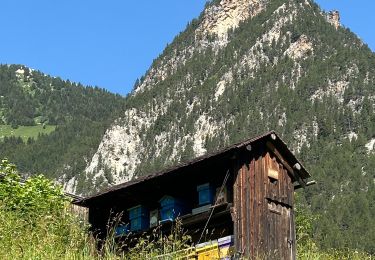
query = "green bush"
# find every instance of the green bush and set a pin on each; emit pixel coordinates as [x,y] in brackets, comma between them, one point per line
[37,196]
[36,220]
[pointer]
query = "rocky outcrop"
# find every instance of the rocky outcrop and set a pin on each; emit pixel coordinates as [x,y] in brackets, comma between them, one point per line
[216,21]
[370,146]
[228,14]
[333,17]
[301,48]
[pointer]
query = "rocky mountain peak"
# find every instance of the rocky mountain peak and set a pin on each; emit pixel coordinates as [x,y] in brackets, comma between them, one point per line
[228,14]
[217,19]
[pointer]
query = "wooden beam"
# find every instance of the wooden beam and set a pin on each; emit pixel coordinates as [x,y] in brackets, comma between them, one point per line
[307,184]
[286,164]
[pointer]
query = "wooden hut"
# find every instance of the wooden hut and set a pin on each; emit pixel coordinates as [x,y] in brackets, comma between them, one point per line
[245,191]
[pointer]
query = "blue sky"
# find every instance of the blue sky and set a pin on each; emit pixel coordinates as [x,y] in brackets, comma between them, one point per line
[111,43]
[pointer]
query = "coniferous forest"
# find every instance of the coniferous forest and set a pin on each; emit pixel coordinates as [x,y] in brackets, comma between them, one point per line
[80,114]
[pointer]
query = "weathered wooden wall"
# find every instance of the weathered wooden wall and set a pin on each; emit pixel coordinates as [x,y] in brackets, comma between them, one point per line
[263,207]
[81,212]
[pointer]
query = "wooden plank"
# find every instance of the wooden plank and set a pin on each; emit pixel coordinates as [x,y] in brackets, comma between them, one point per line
[269,186]
[243,209]
[260,198]
[238,211]
[266,221]
[261,202]
[291,252]
[291,192]
[265,179]
[285,184]
[293,235]
[286,232]
[280,183]
[237,241]
[272,183]
[251,207]
[283,233]
[255,207]
[272,229]
[288,191]
[247,210]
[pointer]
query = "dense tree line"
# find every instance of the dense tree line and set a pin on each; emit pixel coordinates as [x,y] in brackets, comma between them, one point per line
[29,97]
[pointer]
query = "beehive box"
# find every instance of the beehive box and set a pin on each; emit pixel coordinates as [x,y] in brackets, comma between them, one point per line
[138,211]
[208,251]
[226,248]
[171,208]
[205,194]
[121,230]
[139,217]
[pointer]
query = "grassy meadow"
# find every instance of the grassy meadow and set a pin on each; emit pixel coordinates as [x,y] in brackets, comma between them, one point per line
[25,131]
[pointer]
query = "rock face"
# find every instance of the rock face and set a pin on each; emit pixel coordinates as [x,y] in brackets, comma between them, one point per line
[212,32]
[300,49]
[228,14]
[333,17]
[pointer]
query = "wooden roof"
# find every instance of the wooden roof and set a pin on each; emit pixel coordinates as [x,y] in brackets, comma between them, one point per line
[270,137]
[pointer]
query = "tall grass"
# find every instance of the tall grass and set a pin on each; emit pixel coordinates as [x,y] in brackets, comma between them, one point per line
[66,237]
[46,237]
[36,222]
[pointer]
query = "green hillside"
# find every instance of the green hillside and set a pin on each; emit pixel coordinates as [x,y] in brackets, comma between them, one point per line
[50,125]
